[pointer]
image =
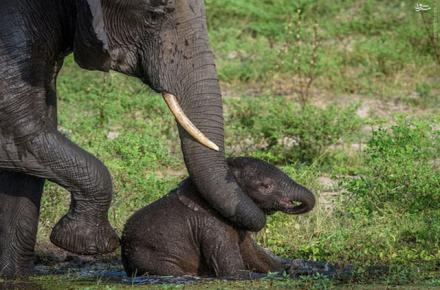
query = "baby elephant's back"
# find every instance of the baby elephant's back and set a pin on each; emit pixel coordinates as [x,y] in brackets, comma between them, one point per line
[156,233]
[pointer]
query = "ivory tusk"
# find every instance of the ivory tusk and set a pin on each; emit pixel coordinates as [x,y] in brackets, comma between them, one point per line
[186,123]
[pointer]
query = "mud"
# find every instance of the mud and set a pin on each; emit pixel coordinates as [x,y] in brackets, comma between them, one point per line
[51,260]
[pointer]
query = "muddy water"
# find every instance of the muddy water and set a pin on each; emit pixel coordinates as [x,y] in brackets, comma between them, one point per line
[57,269]
[108,268]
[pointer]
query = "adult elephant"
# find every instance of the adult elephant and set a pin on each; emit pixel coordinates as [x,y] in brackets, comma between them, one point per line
[162,42]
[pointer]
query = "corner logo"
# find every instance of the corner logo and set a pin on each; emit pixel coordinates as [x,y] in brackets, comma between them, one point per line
[421,7]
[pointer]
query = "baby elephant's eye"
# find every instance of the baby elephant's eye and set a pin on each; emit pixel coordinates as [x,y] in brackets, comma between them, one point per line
[266,185]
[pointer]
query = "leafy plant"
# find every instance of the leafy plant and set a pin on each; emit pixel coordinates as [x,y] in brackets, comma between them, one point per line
[290,133]
[399,168]
[300,55]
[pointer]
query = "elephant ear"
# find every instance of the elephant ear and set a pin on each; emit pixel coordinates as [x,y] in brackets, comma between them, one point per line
[90,46]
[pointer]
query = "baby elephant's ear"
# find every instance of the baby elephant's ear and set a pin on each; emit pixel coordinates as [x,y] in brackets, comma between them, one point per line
[90,45]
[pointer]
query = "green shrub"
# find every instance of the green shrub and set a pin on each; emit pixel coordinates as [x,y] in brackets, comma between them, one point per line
[395,202]
[427,95]
[381,56]
[399,168]
[282,131]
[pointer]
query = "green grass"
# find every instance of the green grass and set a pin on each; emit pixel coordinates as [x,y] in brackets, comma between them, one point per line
[70,282]
[384,165]
[375,48]
[48,283]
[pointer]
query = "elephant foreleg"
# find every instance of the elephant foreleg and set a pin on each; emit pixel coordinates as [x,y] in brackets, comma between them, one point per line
[20,196]
[85,228]
[259,259]
[221,251]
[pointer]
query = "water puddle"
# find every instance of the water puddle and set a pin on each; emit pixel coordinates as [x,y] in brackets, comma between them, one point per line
[82,269]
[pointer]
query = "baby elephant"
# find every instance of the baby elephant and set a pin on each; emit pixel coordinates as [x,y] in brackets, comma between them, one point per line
[180,234]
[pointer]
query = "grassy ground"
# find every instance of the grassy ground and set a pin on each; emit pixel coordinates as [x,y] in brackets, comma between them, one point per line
[343,95]
[309,283]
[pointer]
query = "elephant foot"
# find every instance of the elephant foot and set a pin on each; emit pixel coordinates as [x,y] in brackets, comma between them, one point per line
[84,237]
[19,211]
[11,269]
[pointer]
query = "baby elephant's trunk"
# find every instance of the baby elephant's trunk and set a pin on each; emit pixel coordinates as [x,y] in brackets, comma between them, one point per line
[302,195]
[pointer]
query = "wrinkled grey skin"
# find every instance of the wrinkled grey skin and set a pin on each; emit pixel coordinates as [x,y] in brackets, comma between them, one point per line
[180,234]
[165,44]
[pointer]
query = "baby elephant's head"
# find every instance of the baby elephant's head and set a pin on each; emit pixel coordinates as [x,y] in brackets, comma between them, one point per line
[270,188]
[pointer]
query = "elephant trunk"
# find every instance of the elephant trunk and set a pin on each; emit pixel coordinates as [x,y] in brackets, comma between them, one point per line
[299,193]
[188,72]
[202,103]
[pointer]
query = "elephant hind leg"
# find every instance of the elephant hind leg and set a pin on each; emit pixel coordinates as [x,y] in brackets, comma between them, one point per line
[85,229]
[20,196]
